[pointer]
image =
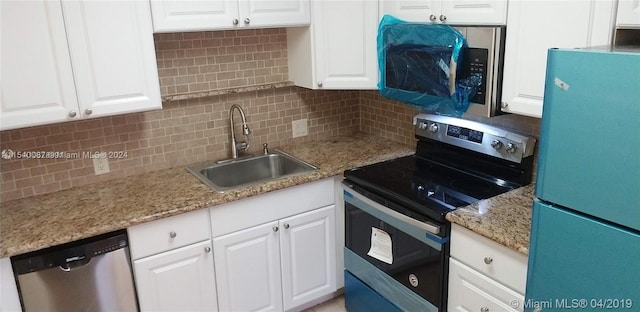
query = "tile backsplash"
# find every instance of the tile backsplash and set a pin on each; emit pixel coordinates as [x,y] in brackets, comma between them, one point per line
[209,60]
[194,130]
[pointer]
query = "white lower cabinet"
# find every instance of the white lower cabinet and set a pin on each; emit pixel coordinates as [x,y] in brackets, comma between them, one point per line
[470,290]
[178,280]
[173,263]
[279,265]
[484,275]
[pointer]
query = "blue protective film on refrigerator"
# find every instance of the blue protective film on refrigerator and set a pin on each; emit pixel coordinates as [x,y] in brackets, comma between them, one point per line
[418,65]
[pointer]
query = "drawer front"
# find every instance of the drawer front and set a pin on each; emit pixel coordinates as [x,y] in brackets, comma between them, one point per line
[169,233]
[470,290]
[241,214]
[490,258]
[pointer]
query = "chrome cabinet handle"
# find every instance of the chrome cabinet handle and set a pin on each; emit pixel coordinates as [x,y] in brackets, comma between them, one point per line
[443,18]
[236,21]
[320,84]
[286,225]
[488,260]
[432,18]
[173,234]
[207,249]
[72,114]
[247,21]
[275,229]
[484,309]
[88,111]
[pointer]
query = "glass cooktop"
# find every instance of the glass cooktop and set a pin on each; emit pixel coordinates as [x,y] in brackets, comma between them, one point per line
[424,186]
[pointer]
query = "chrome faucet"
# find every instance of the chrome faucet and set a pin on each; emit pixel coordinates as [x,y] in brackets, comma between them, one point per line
[238,146]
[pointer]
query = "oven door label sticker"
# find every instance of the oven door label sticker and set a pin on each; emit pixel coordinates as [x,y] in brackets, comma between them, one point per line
[381,246]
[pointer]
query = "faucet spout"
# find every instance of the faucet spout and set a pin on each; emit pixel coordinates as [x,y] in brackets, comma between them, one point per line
[235,145]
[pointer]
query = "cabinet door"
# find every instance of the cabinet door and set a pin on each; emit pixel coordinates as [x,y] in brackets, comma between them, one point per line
[470,290]
[111,45]
[37,83]
[475,12]
[628,13]
[247,265]
[412,10]
[308,253]
[261,13]
[179,280]
[193,15]
[345,43]
[536,26]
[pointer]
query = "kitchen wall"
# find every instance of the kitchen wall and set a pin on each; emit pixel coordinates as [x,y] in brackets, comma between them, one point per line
[185,131]
[197,129]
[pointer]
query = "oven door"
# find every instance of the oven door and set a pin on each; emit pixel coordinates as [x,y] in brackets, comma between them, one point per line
[400,258]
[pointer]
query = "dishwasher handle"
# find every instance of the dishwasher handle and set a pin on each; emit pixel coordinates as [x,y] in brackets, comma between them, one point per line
[75,263]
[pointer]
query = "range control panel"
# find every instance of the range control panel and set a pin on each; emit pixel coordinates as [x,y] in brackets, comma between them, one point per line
[474,136]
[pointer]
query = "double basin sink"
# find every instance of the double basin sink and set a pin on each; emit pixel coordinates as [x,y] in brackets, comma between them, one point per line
[236,173]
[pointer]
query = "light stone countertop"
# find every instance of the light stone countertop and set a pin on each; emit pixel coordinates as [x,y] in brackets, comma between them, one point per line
[42,221]
[505,218]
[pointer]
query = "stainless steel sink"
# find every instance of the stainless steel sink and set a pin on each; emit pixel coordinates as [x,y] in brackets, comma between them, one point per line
[236,173]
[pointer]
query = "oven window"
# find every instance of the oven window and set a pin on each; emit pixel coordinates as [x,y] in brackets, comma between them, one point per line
[413,260]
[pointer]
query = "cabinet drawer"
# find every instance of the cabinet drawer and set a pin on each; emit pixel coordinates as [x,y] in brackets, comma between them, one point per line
[169,233]
[470,290]
[490,258]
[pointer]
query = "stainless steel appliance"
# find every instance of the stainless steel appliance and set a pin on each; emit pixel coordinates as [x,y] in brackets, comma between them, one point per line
[397,237]
[88,275]
[484,55]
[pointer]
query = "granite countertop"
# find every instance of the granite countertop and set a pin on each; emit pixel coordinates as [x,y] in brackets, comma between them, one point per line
[42,221]
[505,218]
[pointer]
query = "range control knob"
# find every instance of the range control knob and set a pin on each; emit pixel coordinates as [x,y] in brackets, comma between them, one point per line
[422,125]
[496,144]
[511,148]
[433,127]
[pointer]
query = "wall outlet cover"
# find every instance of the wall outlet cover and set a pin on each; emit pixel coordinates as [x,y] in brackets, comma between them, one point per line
[101,163]
[299,128]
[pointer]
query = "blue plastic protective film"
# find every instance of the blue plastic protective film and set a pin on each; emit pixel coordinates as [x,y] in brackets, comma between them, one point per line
[419,66]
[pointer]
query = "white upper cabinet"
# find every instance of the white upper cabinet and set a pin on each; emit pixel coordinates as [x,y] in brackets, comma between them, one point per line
[188,15]
[338,51]
[113,56]
[628,13]
[34,58]
[534,27]
[468,12]
[62,61]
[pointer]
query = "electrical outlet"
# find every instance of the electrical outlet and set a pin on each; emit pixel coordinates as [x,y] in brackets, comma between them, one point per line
[299,128]
[100,163]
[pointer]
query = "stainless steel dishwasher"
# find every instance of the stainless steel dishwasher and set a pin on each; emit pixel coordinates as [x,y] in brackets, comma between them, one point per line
[92,274]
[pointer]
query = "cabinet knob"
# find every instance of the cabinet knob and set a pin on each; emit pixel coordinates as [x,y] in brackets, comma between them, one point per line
[488,260]
[207,249]
[236,21]
[72,114]
[247,21]
[484,309]
[320,84]
[275,229]
[173,234]
[505,104]
[443,18]
[432,18]
[286,225]
[88,111]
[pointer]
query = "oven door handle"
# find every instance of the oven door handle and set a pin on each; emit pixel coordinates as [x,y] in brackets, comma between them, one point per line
[431,228]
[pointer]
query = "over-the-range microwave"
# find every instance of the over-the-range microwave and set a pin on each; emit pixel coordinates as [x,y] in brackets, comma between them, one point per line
[484,55]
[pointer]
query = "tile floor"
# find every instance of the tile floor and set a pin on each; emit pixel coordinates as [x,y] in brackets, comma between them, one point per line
[334,305]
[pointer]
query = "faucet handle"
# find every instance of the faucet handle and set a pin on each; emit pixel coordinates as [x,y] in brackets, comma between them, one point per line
[265,149]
